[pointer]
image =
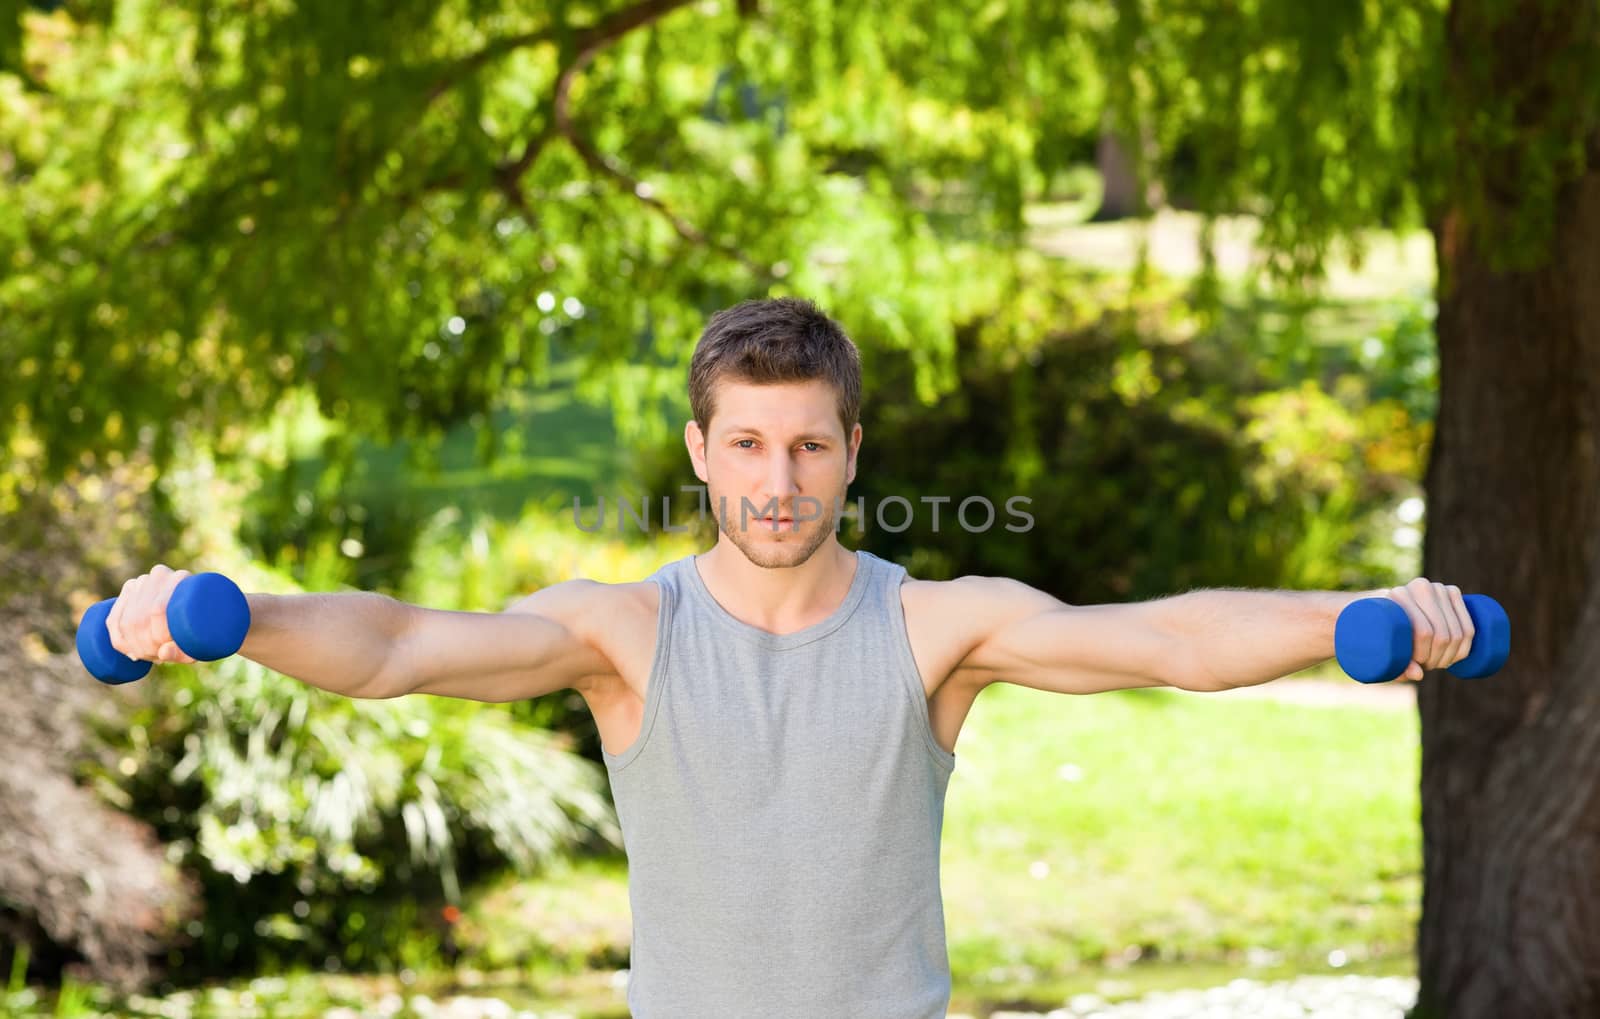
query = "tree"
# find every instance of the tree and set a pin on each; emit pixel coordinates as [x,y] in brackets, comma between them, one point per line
[1125,192]
[1510,768]
[411,208]
[1484,118]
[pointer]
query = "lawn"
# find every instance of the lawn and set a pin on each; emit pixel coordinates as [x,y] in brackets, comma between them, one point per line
[1145,828]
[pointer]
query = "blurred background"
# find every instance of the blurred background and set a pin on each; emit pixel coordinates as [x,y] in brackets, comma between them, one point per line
[367,295]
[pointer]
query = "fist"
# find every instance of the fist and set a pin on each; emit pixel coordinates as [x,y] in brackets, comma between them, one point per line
[1441,629]
[137,623]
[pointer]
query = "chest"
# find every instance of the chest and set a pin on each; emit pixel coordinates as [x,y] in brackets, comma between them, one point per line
[937,644]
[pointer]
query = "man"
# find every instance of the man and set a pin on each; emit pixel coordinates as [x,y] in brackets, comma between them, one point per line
[779,715]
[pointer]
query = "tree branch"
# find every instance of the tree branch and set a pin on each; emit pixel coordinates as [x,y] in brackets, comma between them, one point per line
[591,43]
[473,62]
[640,190]
[588,42]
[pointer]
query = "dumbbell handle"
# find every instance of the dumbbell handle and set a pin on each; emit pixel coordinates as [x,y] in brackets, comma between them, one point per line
[1373,640]
[207,615]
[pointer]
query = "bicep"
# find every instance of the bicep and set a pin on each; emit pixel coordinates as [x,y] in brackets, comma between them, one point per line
[1033,639]
[531,649]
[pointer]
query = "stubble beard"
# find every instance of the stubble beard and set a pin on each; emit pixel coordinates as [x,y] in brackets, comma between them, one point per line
[788,548]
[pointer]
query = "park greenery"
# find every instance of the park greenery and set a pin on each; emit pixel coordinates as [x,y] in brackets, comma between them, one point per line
[365,296]
[330,834]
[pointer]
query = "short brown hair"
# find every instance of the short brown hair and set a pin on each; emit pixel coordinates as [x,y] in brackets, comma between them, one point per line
[774,340]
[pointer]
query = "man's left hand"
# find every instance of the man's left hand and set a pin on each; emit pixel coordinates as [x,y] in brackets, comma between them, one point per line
[1441,629]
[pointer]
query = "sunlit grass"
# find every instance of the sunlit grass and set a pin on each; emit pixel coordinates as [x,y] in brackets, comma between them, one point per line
[1155,825]
[1392,264]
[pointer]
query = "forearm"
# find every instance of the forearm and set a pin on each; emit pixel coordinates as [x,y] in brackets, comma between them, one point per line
[340,642]
[1236,638]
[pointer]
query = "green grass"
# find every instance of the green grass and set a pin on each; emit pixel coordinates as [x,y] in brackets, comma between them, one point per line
[1176,828]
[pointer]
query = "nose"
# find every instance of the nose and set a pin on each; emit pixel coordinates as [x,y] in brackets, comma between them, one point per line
[780,488]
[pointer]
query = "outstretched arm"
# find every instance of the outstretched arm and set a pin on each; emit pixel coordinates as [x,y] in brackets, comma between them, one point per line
[1203,640]
[362,644]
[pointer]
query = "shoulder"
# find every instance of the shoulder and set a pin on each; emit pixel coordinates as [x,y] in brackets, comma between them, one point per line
[616,620]
[974,596]
[582,605]
[957,616]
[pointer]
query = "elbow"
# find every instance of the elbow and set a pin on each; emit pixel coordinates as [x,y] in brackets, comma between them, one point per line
[395,675]
[382,688]
[399,673]
[1186,670]
[387,683]
[392,679]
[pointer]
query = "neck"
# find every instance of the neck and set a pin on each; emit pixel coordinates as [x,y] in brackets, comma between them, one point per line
[778,599]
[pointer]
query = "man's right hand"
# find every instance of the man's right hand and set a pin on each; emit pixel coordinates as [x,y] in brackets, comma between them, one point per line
[137,623]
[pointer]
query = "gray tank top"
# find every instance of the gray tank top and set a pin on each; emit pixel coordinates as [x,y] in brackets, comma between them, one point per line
[781,813]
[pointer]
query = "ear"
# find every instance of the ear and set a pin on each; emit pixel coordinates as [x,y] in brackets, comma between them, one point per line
[695,440]
[855,448]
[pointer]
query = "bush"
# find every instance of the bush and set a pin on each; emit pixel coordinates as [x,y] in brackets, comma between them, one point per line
[327,829]
[1158,456]
[323,827]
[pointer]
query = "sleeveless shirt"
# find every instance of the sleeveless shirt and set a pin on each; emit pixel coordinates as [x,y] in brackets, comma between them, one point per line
[781,812]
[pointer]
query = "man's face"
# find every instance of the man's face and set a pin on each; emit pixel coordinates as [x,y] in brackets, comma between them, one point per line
[774,464]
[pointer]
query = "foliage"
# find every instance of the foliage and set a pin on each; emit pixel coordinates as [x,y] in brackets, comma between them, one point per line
[414,210]
[1157,457]
[306,813]
[409,208]
[1327,118]
[1313,116]
[324,827]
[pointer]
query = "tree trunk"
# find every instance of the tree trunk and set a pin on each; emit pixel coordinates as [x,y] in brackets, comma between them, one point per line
[1126,191]
[1511,763]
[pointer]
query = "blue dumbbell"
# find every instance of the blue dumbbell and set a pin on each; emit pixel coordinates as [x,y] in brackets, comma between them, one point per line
[207,614]
[1373,639]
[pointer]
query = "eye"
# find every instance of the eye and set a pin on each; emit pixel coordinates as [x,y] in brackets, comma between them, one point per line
[739,443]
[816,444]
